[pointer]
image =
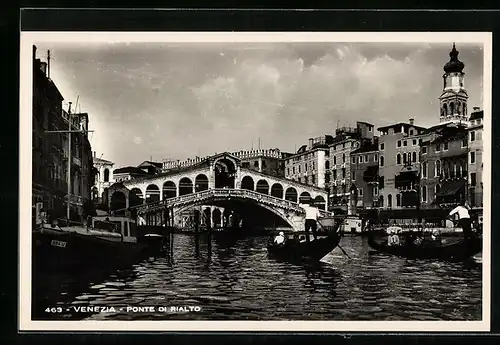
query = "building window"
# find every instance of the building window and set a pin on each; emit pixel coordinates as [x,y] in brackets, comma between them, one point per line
[438,168]
[353,159]
[464,143]
[366,159]
[375,158]
[360,159]
[375,191]
[414,156]
[473,158]
[438,147]
[399,143]
[445,146]
[360,191]
[411,131]
[424,150]
[256,164]
[353,175]
[472,136]
[382,146]
[405,143]
[293,170]
[405,158]
[398,200]
[343,172]
[389,201]
[472,179]
[334,159]
[343,158]
[381,161]
[424,193]
[424,170]
[334,174]
[288,171]
[398,159]
[106,175]
[414,142]
[327,165]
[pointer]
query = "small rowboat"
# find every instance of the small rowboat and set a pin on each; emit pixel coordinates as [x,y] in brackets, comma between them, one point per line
[314,250]
[450,249]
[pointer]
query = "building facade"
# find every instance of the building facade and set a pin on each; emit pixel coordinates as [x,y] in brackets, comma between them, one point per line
[103,178]
[365,176]
[475,158]
[51,150]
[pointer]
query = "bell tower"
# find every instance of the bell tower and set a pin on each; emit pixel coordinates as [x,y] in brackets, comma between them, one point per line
[453,100]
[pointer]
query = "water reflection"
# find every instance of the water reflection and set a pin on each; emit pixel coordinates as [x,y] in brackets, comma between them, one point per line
[235,279]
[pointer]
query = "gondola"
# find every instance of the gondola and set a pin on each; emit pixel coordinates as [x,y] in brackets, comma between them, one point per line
[449,249]
[312,251]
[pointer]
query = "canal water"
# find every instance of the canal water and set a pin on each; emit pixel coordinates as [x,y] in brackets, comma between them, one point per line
[236,280]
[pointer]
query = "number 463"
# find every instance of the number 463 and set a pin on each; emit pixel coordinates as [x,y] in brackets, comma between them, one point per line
[53,310]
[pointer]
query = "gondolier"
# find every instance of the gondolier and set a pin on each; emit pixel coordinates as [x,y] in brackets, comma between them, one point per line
[463,219]
[312,215]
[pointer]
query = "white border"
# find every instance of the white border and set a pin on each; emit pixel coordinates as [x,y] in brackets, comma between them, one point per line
[28,39]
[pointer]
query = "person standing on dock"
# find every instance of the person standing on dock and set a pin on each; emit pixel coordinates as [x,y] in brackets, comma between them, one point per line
[463,219]
[312,215]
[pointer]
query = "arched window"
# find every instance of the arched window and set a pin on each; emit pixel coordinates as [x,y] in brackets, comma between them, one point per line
[424,169]
[424,193]
[438,168]
[398,200]
[459,108]
[381,201]
[389,200]
[452,108]
[343,158]
[414,156]
[405,158]
[445,109]
[381,161]
[398,159]
[106,175]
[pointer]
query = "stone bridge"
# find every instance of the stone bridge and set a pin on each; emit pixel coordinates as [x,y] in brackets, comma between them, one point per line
[212,181]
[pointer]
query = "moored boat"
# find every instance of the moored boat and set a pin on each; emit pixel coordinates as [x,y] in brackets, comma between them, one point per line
[110,241]
[451,249]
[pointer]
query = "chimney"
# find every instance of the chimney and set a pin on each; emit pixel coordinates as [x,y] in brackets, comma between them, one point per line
[412,121]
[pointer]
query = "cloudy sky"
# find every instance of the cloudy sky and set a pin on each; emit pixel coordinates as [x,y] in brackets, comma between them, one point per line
[180,100]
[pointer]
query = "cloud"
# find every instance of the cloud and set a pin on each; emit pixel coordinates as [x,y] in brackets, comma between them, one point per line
[184,100]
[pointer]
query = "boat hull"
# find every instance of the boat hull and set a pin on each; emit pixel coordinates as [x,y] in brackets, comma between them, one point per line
[62,249]
[305,251]
[452,249]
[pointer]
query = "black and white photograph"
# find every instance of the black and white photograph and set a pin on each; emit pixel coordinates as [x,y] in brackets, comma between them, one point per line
[286,181]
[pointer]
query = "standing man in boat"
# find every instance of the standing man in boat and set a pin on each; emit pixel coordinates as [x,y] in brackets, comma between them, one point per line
[312,215]
[463,219]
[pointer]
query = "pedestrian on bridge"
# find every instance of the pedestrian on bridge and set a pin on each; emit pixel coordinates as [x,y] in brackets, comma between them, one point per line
[312,215]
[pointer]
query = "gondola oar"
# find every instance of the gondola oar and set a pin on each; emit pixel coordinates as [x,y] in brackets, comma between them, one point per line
[338,245]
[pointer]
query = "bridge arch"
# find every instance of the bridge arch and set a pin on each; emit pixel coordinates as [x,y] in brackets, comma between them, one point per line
[136,197]
[152,193]
[169,190]
[277,190]
[208,214]
[320,202]
[247,183]
[185,186]
[201,183]
[225,172]
[304,197]
[291,194]
[118,201]
[262,187]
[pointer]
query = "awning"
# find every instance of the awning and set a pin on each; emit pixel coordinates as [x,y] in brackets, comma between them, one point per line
[371,174]
[405,178]
[451,192]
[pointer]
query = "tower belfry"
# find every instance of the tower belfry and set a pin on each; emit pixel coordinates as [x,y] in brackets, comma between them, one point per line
[453,99]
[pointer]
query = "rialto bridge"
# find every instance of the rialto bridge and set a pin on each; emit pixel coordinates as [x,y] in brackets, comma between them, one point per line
[215,185]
